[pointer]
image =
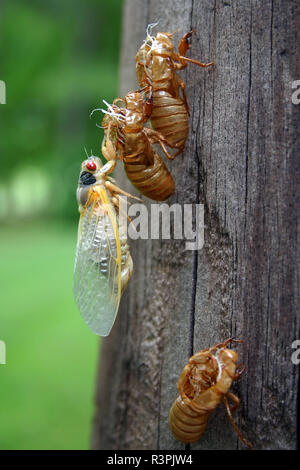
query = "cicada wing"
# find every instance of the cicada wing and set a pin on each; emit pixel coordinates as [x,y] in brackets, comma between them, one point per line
[97,272]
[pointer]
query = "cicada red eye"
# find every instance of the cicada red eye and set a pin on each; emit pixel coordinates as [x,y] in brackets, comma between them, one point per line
[91,166]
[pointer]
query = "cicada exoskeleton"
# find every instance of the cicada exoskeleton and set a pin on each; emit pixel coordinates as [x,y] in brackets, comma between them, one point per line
[125,128]
[203,384]
[156,65]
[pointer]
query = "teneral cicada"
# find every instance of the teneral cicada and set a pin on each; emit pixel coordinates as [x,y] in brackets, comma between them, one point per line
[103,265]
[156,65]
[203,384]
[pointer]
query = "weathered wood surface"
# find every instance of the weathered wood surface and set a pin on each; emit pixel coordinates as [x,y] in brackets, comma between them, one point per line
[242,162]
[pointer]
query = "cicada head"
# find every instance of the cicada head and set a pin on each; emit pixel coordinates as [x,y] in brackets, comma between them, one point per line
[89,176]
[113,116]
[89,169]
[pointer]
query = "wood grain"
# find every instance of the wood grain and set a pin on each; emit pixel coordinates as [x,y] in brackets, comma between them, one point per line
[242,162]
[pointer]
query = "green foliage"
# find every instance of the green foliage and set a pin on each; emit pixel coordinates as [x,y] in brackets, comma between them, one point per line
[58,60]
[47,385]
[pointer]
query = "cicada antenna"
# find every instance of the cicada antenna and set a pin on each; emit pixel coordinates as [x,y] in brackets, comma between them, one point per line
[241,436]
[86,152]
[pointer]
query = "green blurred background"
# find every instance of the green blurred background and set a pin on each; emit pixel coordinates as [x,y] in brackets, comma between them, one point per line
[59,59]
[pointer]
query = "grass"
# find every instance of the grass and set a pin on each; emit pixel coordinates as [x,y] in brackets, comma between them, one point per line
[47,384]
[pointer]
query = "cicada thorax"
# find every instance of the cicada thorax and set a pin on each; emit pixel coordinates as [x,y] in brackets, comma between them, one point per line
[143,165]
[202,385]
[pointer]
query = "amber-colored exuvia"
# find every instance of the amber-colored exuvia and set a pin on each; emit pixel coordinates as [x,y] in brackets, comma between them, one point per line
[203,384]
[156,65]
[133,142]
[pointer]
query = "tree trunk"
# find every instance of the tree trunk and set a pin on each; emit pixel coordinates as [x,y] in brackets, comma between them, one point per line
[241,163]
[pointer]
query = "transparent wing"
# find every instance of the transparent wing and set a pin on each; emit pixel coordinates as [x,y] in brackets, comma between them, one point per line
[97,272]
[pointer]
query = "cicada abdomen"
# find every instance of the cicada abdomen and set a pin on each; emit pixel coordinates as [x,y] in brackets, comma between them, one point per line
[203,384]
[156,66]
[103,265]
[133,143]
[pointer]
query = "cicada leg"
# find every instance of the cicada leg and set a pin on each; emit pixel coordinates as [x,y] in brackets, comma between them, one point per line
[239,371]
[107,148]
[182,86]
[225,343]
[148,102]
[183,47]
[230,417]
[145,78]
[235,400]
[115,189]
[156,137]
[184,43]
[116,203]
[109,167]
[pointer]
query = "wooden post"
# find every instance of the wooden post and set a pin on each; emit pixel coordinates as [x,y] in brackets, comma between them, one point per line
[242,162]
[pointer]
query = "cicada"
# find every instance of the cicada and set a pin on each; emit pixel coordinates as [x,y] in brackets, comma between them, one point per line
[103,265]
[156,65]
[125,126]
[203,384]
